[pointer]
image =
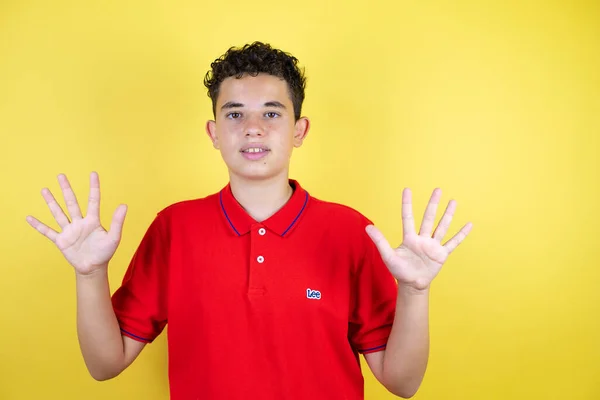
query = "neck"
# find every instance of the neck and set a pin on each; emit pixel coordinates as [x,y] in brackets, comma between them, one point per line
[261,198]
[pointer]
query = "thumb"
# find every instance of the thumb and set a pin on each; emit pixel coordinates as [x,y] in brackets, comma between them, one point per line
[116,225]
[381,242]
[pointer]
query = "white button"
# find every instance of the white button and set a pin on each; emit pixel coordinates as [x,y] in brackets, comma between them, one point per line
[260,259]
[262,231]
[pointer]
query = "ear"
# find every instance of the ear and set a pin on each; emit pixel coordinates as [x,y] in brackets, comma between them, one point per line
[211,130]
[301,129]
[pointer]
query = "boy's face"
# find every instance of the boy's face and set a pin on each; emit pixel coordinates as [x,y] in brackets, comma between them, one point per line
[254,127]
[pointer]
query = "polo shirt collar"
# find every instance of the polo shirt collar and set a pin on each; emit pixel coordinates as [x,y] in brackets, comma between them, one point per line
[282,222]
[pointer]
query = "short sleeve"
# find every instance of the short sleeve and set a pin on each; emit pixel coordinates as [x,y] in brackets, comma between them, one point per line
[373,301]
[140,303]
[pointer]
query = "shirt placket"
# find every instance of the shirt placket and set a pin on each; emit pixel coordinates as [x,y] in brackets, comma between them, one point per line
[259,260]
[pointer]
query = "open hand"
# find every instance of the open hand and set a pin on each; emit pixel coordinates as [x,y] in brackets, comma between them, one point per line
[420,256]
[83,241]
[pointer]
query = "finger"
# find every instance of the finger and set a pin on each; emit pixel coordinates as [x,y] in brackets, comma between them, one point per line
[457,239]
[116,225]
[430,211]
[69,195]
[381,242]
[444,224]
[55,208]
[42,228]
[94,198]
[408,221]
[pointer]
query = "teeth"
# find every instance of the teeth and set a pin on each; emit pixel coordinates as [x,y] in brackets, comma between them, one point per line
[253,150]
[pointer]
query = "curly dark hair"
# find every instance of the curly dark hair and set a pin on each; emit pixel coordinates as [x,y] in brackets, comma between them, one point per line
[253,59]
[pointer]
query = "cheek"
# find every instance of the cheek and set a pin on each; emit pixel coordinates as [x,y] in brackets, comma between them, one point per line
[227,138]
[285,141]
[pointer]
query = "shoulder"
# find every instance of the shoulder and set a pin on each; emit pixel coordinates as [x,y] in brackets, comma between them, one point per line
[344,228]
[185,209]
[339,214]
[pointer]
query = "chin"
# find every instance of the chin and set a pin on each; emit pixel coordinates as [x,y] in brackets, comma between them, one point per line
[256,174]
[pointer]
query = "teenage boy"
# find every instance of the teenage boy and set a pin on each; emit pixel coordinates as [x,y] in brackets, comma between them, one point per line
[268,292]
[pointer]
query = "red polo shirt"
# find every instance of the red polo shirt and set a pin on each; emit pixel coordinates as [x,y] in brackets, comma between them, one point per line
[278,309]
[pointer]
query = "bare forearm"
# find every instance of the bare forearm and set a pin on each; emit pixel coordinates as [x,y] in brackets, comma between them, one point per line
[407,350]
[97,326]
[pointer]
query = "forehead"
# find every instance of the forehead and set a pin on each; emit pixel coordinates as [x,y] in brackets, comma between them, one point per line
[250,90]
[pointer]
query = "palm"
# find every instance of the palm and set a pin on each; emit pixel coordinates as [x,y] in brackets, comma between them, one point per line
[420,257]
[85,244]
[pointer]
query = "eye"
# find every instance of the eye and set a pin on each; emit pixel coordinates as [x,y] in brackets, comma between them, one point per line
[272,114]
[233,115]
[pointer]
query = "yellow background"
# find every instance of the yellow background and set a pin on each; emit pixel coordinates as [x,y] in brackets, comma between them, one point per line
[497,103]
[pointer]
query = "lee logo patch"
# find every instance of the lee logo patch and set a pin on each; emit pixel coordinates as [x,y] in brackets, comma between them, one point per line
[313,294]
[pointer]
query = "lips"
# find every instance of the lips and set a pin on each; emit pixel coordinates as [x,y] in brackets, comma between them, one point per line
[250,149]
[254,152]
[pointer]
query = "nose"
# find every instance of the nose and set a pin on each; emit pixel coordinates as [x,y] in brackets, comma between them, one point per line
[254,127]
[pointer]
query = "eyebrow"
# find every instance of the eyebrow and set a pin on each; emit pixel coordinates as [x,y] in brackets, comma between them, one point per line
[233,104]
[274,104]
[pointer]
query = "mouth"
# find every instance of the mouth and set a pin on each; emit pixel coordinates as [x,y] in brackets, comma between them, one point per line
[254,153]
[257,149]
[254,150]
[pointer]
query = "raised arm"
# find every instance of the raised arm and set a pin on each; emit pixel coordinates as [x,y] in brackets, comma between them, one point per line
[88,248]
